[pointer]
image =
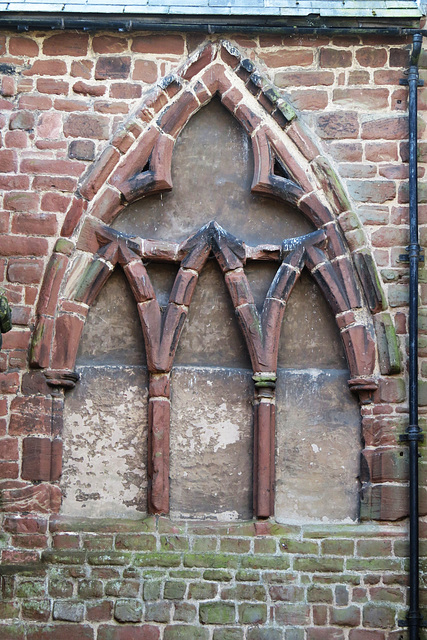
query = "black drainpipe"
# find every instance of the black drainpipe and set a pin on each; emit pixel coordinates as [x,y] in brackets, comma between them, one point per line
[413,434]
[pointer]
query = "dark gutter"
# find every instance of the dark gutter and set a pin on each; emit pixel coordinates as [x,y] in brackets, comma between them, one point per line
[310,25]
[413,434]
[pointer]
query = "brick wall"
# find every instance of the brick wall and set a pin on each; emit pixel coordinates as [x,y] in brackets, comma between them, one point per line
[64,98]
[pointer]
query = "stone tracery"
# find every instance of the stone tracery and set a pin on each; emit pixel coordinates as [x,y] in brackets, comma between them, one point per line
[138,163]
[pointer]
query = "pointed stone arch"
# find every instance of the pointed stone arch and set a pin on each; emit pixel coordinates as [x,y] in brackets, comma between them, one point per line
[137,163]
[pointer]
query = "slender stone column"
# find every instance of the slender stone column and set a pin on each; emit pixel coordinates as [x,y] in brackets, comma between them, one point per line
[264,443]
[158,442]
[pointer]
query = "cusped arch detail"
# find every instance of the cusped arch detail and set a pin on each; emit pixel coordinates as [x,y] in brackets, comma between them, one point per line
[137,163]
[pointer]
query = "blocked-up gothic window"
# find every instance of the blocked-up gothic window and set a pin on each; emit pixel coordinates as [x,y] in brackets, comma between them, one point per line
[212,435]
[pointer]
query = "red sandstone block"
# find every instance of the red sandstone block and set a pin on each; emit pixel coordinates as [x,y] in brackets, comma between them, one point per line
[55,87]
[14,182]
[52,281]
[145,71]
[87,126]
[358,77]
[96,178]
[231,99]
[109,44]
[371,57]
[68,330]
[55,202]
[25,524]
[320,614]
[23,47]
[336,125]
[364,98]
[66,44]
[16,339]
[304,78]
[63,104]
[366,634]
[25,271]
[8,449]
[22,246]
[16,140]
[60,632]
[20,315]
[310,99]
[81,69]
[125,91]
[34,103]
[89,89]
[9,382]
[9,470]
[111,107]
[30,295]
[43,224]
[21,201]
[123,141]
[324,633]
[47,68]
[112,68]
[198,62]
[381,151]
[178,113]
[74,213]
[18,359]
[390,237]
[162,44]
[335,58]
[54,167]
[394,128]
[99,611]
[19,557]
[8,86]
[61,183]
[36,459]
[31,415]
[247,118]
[8,161]
[288,58]
[29,541]
[387,76]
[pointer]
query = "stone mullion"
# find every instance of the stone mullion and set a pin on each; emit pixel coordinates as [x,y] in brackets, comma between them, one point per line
[262,340]
[265,382]
[158,442]
[161,337]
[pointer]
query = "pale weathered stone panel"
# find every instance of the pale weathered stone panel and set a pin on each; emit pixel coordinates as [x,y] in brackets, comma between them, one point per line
[105,443]
[212,171]
[112,332]
[211,443]
[317,446]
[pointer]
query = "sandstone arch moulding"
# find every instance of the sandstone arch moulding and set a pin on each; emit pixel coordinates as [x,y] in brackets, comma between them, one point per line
[137,163]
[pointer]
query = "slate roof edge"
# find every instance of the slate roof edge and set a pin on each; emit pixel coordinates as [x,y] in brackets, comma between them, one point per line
[221,24]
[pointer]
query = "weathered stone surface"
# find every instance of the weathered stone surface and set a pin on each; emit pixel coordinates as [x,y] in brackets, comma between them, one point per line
[387,344]
[68,610]
[317,464]
[105,448]
[128,610]
[208,185]
[211,441]
[36,458]
[112,333]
